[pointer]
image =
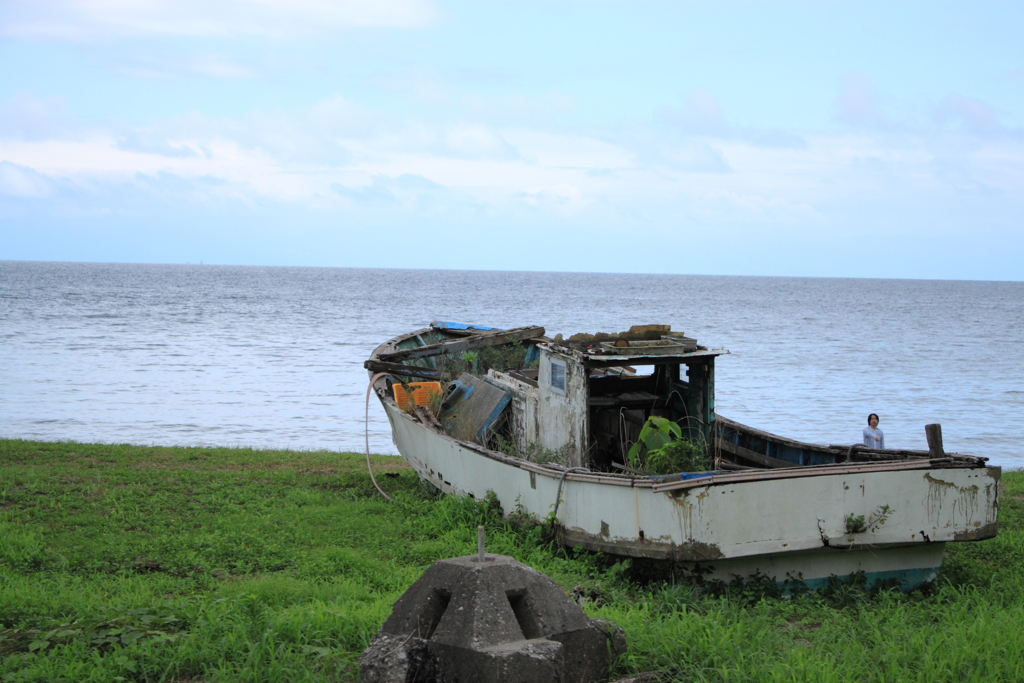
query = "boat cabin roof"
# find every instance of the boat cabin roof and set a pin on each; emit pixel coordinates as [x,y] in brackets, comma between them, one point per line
[604,358]
[640,345]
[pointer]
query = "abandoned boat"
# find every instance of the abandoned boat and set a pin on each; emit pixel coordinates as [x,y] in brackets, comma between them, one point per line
[556,429]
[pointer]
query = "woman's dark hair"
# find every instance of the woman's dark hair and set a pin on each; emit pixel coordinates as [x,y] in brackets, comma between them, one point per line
[873,415]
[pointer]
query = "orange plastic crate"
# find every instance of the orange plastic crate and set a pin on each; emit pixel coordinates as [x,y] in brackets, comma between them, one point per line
[420,393]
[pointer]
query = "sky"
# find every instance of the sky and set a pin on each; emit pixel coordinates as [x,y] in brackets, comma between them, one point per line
[820,139]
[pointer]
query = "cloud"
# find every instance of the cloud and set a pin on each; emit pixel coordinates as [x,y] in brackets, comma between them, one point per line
[338,116]
[767,137]
[519,108]
[561,196]
[955,175]
[22,182]
[569,150]
[338,158]
[971,114]
[701,114]
[475,141]
[99,20]
[694,156]
[149,66]
[152,142]
[172,188]
[314,137]
[858,103]
[28,117]
[385,192]
[469,141]
[656,147]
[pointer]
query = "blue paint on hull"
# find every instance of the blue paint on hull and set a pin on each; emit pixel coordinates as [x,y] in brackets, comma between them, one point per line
[906,579]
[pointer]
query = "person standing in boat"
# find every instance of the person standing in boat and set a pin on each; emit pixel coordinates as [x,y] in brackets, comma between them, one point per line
[873,436]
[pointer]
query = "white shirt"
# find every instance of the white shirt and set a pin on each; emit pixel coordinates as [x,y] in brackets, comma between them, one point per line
[873,437]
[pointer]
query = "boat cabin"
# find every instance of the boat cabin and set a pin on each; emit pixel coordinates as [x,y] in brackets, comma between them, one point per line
[583,401]
[589,397]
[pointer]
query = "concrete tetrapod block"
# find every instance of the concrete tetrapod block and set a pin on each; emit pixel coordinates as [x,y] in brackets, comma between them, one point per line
[496,621]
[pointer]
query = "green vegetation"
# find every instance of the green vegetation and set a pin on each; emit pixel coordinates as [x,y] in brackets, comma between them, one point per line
[857,524]
[501,357]
[125,563]
[661,449]
[533,452]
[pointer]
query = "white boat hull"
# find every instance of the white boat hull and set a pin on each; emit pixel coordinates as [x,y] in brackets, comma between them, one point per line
[783,527]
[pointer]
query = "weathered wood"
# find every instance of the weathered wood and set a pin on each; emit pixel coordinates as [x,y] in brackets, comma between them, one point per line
[859,451]
[427,417]
[460,333]
[628,401]
[813,471]
[400,369]
[934,435]
[476,341]
[627,468]
[752,456]
[616,361]
[729,465]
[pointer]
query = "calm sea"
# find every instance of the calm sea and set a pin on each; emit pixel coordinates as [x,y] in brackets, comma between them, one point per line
[272,357]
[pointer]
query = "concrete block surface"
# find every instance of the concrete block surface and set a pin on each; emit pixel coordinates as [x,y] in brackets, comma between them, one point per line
[496,621]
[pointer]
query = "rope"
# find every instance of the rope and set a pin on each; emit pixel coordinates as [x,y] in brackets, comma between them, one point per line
[622,437]
[561,482]
[373,380]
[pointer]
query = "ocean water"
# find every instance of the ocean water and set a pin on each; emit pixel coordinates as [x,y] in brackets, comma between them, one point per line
[272,357]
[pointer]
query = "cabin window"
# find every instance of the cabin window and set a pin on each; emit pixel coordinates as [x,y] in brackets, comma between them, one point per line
[558,377]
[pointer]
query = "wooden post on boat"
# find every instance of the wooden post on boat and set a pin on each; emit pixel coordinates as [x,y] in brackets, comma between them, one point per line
[934,435]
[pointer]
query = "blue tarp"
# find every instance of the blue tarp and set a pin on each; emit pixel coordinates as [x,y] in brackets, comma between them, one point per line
[443,325]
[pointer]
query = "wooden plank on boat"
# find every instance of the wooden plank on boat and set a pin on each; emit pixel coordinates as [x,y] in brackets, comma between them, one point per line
[752,456]
[593,360]
[465,344]
[400,369]
[819,471]
[729,465]
[597,479]
[591,477]
[493,455]
[627,468]
[628,400]
[427,417]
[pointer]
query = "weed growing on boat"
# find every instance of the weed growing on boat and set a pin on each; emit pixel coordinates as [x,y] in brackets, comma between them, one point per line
[504,357]
[857,524]
[449,366]
[501,357]
[540,455]
[533,452]
[437,398]
[678,456]
[661,449]
[503,444]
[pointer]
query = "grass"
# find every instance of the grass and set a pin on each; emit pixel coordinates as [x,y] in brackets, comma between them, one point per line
[127,563]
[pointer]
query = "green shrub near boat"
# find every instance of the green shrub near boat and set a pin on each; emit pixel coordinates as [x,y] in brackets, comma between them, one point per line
[662,449]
